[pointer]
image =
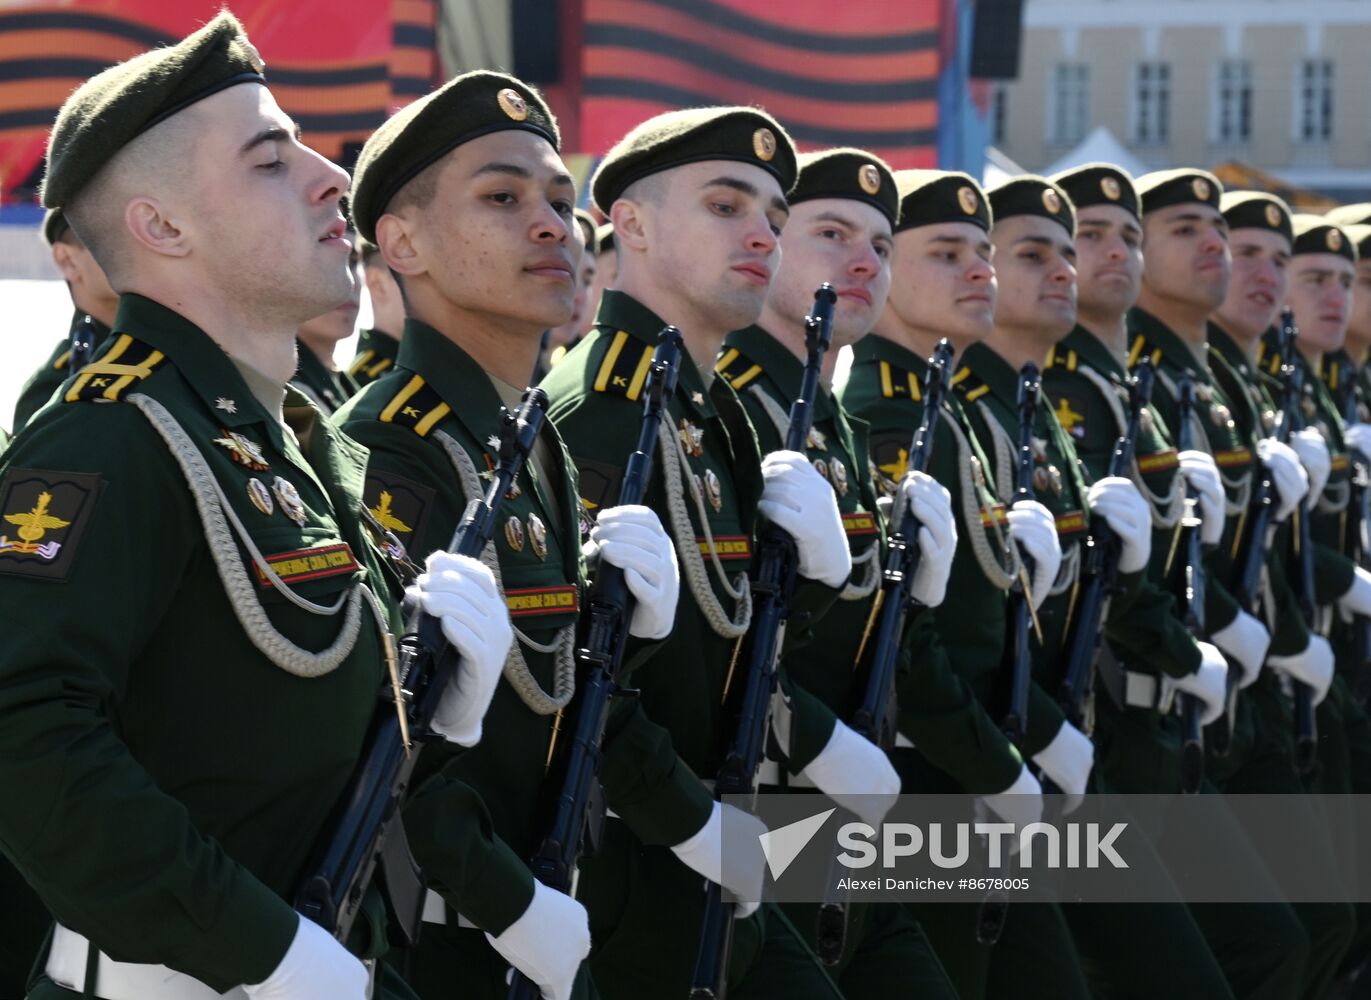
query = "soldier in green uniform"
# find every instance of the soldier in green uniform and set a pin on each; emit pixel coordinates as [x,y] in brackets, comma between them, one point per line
[843,208]
[943,285]
[479,156]
[95,303]
[378,346]
[1186,266]
[697,201]
[185,695]
[318,375]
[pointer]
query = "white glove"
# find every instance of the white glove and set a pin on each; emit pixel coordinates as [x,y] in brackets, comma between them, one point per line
[1246,640]
[633,539]
[1287,474]
[1034,528]
[1067,760]
[1209,683]
[1313,665]
[461,593]
[315,967]
[1021,803]
[548,942]
[1313,451]
[795,497]
[1202,475]
[1123,508]
[856,774]
[742,868]
[1357,600]
[931,504]
[1357,437]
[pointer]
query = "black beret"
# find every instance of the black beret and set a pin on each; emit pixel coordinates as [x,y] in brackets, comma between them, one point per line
[930,197]
[420,134]
[114,107]
[1032,195]
[1315,234]
[1350,215]
[673,139]
[54,225]
[1164,188]
[1256,210]
[847,173]
[604,238]
[1100,184]
[1360,235]
[587,223]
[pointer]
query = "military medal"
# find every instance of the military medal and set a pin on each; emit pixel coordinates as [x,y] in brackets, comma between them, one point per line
[1039,450]
[817,438]
[514,491]
[289,499]
[537,536]
[1269,420]
[698,398]
[1041,482]
[1220,415]
[514,534]
[838,473]
[692,438]
[714,490]
[260,496]
[243,451]
[821,467]
[1145,420]
[227,405]
[1055,475]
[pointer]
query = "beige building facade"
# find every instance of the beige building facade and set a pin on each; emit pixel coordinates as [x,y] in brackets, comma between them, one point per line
[1281,85]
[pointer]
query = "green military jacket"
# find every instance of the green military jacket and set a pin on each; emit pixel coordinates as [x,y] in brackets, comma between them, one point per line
[884,388]
[706,481]
[475,815]
[1085,382]
[376,354]
[173,755]
[46,380]
[326,389]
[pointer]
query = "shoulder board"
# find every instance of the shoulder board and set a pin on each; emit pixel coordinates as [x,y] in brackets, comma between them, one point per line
[625,367]
[737,368]
[1062,360]
[362,365]
[62,361]
[899,383]
[417,406]
[126,364]
[966,384]
[1332,375]
[1142,348]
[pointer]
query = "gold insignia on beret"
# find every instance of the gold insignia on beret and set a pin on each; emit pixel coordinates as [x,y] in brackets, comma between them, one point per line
[764,144]
[254,57]
[1334,240]
[512,104]
[1051,202]
[1273,216]
[1201,188]
[967,199]
[1111,189]
[869,178]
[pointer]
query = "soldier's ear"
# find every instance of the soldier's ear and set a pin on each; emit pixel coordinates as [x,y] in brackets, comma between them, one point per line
[62,257]
[150,222]
[397,248]
[631,223]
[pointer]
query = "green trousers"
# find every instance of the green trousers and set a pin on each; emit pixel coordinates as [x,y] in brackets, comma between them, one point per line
[24,923]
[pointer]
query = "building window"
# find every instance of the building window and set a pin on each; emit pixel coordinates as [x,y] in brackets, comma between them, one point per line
[999,113]
[1070,103]
[1151,103]
[1314,100]
[1232,118]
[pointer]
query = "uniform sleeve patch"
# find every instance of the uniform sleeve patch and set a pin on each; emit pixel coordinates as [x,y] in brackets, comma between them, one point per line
[309,564]
[1070,412]
[890,452]
[599,484]
[400,506]
[43,515]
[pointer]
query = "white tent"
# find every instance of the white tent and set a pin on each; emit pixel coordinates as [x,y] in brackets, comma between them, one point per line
[998,168]
[1100,146]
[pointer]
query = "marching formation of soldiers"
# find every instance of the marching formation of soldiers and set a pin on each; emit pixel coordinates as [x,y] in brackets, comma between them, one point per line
[211,541]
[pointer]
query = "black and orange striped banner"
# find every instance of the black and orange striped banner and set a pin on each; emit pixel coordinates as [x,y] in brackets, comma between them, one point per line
[867,76]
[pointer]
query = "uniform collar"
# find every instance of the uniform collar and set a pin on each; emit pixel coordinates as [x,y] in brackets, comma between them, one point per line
[1222,343]
[779,364]
[874,347]
[621,311]
[1159,336]
[454,375]
[1089,349]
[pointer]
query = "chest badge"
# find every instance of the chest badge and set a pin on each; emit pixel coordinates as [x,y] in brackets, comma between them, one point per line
[514,534]
[289,499]
[714,490]
[260,496]
[817,439]
[537,536]
[692,438]
[243,450]
[1220,416]
[225,404]
[838,473]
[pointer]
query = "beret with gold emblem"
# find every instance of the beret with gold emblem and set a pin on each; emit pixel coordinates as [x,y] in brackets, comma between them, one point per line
[587,224]
[931,197]
[1164,188]
[1256,210]
[1360,235]
[604,238]
[1350,215]
[420,134]
[1100,184]
[693,135]
[1030,195]
[847,173]
[1315,234]
[54,225]
[115,106]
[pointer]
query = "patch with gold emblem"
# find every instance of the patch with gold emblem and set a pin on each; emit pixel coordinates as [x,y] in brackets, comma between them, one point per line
[260,496]
[714,491]
[764,144]
[289,498]
[599,483]
[1273,216]
[243,450]
[869,178]
[837,473]
[43,515]
[1051,201]
[537,536]
[514,534]
[1069,415]
[1111,189]
[1200,187]
[966,198]
[400,506]
[692,438]
[512,104]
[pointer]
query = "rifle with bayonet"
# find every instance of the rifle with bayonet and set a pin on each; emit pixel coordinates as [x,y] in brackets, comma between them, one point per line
[369,832]
[1190,592]
[772,589]
[1359,548]
[604,635]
